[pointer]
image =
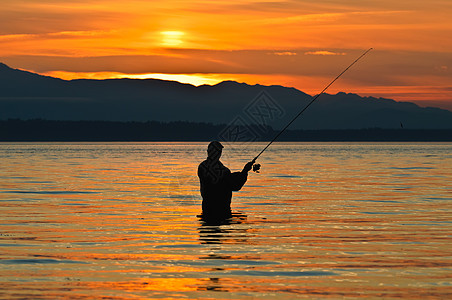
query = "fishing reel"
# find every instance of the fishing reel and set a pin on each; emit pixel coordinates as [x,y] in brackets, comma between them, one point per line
[256,168]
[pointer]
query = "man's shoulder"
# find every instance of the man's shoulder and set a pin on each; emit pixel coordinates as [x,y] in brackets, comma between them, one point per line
[212,165]
[203,164]
[205,167]
[224,167]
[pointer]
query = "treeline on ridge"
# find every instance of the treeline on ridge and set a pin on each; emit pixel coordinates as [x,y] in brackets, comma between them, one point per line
[16,130]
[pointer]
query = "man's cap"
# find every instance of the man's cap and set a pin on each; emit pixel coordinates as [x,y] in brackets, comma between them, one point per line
[215,145]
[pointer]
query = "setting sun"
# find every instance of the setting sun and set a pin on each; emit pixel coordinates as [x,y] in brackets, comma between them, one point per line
[172,38]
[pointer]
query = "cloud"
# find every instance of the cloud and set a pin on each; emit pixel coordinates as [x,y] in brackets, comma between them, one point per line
[324,52]
[53,35]
[377,68]
[233,24]
[285,53]
[442,68]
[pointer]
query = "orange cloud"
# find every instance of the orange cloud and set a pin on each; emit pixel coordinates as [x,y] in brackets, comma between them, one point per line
[285,53]
[324,52]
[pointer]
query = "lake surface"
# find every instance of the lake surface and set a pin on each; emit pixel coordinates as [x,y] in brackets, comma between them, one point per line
[321,220]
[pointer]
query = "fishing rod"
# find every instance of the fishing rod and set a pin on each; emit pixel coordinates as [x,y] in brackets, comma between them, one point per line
[312,101]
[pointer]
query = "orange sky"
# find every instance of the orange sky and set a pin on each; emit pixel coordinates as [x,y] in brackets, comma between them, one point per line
[303,44]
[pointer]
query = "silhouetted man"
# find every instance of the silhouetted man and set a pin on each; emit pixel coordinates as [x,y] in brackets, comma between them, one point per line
[217,183]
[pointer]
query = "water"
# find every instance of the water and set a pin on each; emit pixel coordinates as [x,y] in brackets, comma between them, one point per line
[119,221]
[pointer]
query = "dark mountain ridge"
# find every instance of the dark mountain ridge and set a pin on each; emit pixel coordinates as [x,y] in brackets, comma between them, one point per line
[26,95]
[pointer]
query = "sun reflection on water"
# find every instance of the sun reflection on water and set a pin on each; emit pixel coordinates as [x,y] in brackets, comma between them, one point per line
[122,221]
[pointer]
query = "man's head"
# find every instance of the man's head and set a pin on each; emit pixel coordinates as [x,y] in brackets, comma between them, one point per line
[214,150]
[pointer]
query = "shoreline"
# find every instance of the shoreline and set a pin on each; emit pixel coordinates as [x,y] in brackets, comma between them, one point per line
[15,130]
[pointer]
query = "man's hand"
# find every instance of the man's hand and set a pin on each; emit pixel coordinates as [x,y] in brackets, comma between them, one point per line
[248,166]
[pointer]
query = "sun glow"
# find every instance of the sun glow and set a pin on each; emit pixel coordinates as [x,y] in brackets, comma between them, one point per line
[194,79]
[172,38]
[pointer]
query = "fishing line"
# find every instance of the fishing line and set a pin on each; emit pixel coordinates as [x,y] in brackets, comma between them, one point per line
[312,101]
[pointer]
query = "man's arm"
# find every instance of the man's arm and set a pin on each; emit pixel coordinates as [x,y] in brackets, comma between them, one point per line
[248,166]
[238,179]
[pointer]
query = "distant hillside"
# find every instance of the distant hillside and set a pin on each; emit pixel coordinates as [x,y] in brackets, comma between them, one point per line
[26,95]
